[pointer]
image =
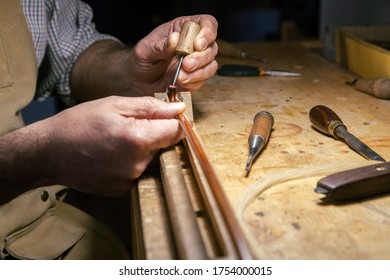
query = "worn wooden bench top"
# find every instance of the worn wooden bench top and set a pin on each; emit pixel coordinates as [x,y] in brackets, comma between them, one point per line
[288,220]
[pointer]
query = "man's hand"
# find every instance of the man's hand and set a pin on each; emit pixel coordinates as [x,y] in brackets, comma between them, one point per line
[156,61]
[109,68]
[97,147]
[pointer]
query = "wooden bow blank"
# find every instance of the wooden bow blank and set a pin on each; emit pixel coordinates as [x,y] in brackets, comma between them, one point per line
[229,216]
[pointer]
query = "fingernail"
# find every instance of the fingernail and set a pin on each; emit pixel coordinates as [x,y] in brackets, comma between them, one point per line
[192,63]
[179,106]
[182,77]
[202,43]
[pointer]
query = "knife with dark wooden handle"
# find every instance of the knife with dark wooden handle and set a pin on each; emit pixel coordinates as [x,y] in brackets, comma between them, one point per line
[356,183]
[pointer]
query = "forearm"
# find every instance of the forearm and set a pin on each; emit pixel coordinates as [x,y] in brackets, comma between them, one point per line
[23,162]
[103,70]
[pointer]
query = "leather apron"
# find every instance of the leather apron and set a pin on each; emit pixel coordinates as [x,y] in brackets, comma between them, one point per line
[29,227]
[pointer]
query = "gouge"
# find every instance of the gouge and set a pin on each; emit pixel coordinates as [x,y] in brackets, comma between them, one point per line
[238,70]
[258,137]
[356,183]
[185,45]
[379,88]
[230,50]
[328,122]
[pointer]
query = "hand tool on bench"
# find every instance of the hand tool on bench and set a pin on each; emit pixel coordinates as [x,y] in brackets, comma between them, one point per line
[235,231]
[328,122]
[230,50]
[238,70]
[379,88]
[258,137]
[356,183]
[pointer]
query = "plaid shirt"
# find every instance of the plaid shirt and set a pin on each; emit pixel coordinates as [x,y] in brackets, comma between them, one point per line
[61,31]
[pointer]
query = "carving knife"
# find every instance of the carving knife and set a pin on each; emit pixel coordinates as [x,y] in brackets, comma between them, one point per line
[356,183]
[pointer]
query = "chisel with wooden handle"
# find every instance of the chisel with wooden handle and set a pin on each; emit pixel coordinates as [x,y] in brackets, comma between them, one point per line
[258,137]
[356,183]
[328,122]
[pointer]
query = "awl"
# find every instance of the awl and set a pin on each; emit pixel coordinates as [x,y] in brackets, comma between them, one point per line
[238,70]
[185,45]
[258,137]
[356,183]
[328,122]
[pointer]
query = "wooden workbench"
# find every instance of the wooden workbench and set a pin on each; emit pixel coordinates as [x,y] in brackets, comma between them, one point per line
[288,220]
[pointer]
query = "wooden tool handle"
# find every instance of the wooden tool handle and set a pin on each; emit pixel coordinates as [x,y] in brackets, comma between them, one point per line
[230,50]
[357,183]
[324,119]
[227,49]
[188,33]
[379,88]
[238,70]
[262,125]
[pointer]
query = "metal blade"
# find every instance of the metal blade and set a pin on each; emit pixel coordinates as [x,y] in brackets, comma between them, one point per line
[357,145]
[281,73]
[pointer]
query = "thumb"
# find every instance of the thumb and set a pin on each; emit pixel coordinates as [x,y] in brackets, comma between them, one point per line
[168,110]
[148,107]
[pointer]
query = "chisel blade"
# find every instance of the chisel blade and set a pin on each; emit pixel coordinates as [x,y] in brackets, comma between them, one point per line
[279,73]
[357,145]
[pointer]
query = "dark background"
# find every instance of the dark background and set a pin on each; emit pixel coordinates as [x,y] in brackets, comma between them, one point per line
[239,20]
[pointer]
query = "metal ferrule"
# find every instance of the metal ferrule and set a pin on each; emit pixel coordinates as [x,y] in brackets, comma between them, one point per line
[256,143]
[333,125]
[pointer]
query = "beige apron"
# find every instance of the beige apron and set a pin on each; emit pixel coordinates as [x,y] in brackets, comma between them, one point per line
[29,224]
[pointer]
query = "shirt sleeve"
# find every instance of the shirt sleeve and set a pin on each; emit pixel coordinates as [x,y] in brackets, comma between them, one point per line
[70,30]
